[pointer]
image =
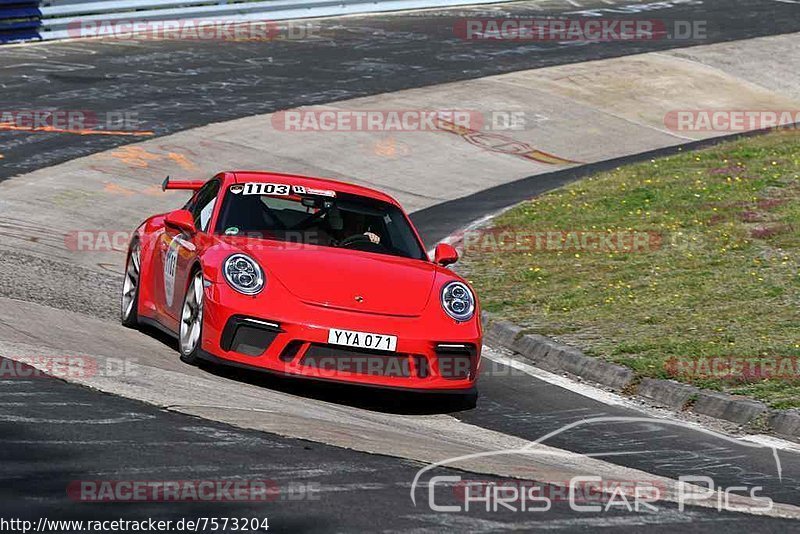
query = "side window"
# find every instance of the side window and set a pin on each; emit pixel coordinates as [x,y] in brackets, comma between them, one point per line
[202,206]
[205,215]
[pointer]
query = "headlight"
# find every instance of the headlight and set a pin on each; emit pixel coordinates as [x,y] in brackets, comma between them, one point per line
[243,274]
[458,301]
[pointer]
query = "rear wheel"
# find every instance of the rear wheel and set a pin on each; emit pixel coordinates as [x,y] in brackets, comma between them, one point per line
[129,315]
[191,328]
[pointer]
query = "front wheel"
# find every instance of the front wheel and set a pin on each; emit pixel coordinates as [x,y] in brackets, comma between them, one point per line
[129,315]
[191,328]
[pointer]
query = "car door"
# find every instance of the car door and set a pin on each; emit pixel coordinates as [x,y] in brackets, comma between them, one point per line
[179,250]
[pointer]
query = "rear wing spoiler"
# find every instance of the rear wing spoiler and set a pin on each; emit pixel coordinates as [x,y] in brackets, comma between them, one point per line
[192,185]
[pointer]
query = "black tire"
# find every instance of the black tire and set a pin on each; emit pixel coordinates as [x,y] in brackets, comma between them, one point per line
[129,296]
[189,350]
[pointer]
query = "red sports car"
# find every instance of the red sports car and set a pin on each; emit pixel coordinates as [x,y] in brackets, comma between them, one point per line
[304,276]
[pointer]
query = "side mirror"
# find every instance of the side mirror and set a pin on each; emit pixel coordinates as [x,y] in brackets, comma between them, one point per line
[445,254]
[182,220]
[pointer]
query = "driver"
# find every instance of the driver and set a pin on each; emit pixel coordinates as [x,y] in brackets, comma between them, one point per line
[353,225]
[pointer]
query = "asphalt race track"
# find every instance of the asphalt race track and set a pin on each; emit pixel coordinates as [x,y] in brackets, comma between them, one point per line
[53,433]
[69,434]
[176,85]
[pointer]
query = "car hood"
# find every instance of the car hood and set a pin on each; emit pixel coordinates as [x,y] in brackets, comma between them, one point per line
[348,279]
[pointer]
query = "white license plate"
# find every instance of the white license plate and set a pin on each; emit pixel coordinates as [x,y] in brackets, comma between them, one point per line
[362,340]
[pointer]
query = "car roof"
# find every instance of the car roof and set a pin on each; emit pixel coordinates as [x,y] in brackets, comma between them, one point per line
[238,177]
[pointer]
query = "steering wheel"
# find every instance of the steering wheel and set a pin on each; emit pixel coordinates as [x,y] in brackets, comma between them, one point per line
[355,240]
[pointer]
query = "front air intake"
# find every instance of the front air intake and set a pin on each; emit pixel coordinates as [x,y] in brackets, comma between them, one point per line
[456,361]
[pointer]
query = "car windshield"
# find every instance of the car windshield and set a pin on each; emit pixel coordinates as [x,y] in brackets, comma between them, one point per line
[328,219]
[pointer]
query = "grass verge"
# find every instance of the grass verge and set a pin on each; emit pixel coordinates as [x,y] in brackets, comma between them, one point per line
[684,267]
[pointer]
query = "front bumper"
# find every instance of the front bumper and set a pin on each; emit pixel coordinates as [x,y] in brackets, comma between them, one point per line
[433,353]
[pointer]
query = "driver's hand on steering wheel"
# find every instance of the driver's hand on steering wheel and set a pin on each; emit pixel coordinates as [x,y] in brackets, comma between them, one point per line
[373,237]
